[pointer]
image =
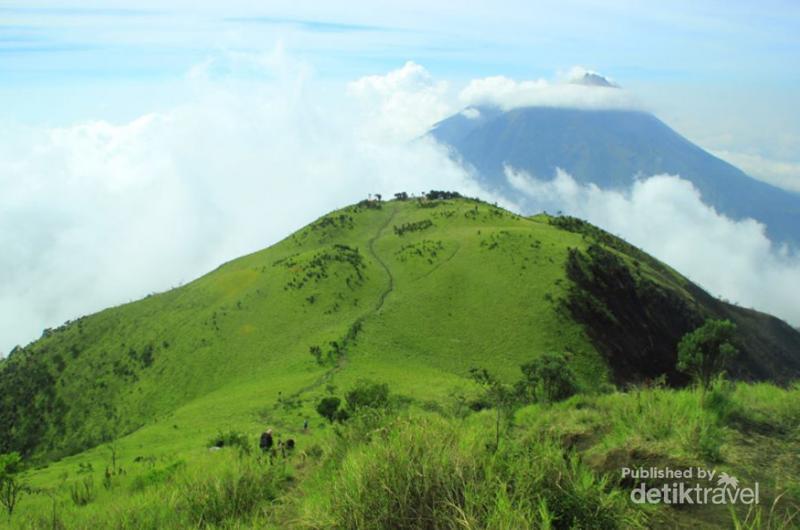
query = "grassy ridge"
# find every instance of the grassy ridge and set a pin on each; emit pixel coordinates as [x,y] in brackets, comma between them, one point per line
[413,293]
[254,319]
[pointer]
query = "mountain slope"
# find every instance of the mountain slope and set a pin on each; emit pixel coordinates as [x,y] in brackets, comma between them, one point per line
[414,292]
[611,148]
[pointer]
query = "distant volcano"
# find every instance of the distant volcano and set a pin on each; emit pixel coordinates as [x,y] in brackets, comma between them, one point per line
[593,79]
[609,148]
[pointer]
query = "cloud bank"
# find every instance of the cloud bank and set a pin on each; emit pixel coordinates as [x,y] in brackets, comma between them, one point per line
[403,103]
[779,173]
[97,214]
[577,88]
[665,216]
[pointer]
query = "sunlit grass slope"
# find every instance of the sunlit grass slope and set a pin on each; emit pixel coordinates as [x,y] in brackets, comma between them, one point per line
[414,293]
[468,285]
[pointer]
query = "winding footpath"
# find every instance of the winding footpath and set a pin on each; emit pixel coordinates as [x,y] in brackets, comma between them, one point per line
[341,361]
[371,248]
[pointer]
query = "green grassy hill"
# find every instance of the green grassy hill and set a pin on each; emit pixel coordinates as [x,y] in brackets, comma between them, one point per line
[412,293]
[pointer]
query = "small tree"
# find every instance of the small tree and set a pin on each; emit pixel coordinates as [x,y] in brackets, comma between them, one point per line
[113,453]
[11,487]
[500,396]
[328,408]
[548,378]
[704,352]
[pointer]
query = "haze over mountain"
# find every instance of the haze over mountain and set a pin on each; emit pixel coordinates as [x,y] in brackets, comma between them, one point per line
[610,148]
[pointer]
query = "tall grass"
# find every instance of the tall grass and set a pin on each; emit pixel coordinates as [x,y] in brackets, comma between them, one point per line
[557,466]
[428,472]
[759,518]
[238,492]
[235,495]
[680,423]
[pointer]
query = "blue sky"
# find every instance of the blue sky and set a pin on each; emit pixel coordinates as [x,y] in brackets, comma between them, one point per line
[723,73]
[693,61]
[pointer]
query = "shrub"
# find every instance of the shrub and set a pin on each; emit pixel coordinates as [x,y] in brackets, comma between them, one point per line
[231,439]
[370,204]
[316,352]
[82,491]
[704,352]
[413,227]
[442,195]
[328,408]
[367,394]
[548,378]
[147,356]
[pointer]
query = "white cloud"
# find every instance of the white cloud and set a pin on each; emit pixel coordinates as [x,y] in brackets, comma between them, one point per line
[665,216]
[471,112]
[97,214]
[779,173]
[508,93]
[404,103]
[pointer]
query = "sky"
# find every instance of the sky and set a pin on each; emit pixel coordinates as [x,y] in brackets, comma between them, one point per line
[142,144]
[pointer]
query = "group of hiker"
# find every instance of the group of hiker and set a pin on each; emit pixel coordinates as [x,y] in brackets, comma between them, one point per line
[268,446]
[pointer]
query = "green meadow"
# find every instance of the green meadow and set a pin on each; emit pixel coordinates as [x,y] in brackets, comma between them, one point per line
[147,415]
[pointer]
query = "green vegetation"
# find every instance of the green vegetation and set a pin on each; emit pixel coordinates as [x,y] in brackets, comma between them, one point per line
[367,395]
[231,439]
[237,494]
[413,227]
[548,378]
[11,485]
[704,352]
[427,472]
[424,360]
[328,408]
[394,464]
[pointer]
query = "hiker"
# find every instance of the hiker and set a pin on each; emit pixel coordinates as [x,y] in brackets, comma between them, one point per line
[266,441]
[305,424]
[290,444]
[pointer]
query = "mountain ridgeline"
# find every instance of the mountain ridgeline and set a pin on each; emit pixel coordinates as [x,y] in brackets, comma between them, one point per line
[414,290]
[610,148]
